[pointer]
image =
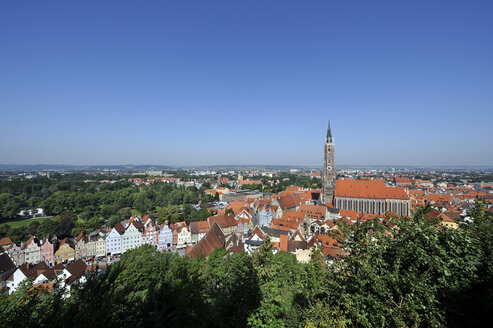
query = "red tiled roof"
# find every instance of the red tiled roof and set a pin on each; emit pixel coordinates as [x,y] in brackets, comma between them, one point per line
[224,221]
[119,228]
[5,241]
[349,214]
[289,201]
[313,211]
[257,231]
[368,189]
[214,238]
[238,206]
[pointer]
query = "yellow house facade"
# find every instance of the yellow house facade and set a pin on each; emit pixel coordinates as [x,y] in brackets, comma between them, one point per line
[65,252]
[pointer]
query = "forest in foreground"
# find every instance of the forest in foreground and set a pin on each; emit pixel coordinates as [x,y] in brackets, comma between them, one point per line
[412,274]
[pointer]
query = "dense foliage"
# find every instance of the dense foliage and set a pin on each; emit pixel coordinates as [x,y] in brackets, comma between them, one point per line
[412,274]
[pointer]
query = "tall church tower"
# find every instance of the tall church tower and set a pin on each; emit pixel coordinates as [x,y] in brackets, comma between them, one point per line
[329,174]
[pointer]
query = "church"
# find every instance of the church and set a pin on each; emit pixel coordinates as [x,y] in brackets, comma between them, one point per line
[362,196]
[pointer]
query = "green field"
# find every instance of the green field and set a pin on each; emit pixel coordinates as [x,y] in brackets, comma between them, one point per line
[26,222]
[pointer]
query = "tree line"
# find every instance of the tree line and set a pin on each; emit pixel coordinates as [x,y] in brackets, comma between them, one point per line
[409,273]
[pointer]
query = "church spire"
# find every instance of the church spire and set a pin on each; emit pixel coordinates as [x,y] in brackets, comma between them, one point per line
[329,139]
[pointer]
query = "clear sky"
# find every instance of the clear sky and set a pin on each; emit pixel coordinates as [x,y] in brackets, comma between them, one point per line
[246,82]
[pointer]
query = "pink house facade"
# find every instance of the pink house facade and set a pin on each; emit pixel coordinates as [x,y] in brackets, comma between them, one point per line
[47,251]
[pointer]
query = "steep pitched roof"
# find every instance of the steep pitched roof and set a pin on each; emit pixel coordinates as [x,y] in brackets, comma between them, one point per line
[6,263]
[238,206]
[119,228]
[257,231]
[76,269]
[436,214]
[29,241]
[289,201]
[81,236]
[214,238]
[5,241]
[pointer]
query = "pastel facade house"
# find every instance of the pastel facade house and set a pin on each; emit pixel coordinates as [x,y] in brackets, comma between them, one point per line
[91,244]
[174,233]
[184,237]
[81,246]
[32,250]
[16,253]
[114,240]
[65,251]
[101,245]
[165,238]
[132,237]
[265,215]
[150,235]
[48,250]
[244,225]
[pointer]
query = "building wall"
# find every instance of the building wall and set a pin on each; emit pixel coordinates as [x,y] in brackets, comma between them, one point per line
[376,206]
[131,239]
[64,253]
[32,253]
[47,253]
[114,243]
[165,238]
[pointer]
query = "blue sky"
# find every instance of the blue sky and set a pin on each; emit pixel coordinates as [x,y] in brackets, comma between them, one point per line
[246,82]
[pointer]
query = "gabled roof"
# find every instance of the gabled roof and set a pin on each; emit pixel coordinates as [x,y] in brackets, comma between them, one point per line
[257,231]
[436,214]
[6,263]
[238,207]
[67,241]
[81,236]
[76,269]
[119,228]
[289,201]
[214,238]
[30,241]
[5,241]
